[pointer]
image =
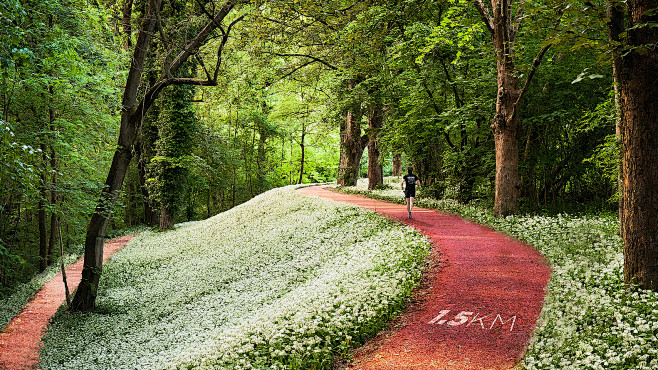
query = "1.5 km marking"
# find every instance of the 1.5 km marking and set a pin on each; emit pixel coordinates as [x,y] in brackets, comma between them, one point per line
[466,317]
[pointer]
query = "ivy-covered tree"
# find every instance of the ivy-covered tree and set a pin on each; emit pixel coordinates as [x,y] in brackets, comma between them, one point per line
[136,105]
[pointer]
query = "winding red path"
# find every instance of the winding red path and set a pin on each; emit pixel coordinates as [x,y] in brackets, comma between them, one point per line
[20,339]
[478,302]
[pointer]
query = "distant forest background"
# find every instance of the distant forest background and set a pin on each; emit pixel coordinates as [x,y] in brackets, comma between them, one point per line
[303,91]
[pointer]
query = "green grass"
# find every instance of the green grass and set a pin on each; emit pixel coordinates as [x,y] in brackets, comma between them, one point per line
[282,281]
[589,321]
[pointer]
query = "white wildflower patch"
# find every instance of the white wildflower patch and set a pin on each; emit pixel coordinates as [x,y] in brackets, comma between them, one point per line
[589,320]
[282,281]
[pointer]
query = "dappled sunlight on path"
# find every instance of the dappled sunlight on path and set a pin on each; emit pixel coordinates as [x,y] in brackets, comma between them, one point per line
[478,302]
[20,339]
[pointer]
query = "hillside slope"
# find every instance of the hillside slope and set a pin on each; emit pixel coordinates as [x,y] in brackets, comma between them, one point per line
[280,280]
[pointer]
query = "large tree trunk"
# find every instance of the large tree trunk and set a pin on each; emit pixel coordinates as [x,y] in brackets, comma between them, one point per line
[638,92]
[508,182]
[375,123]
[351,149]
[397,164]
[506,122]
[166,218]
[503,26]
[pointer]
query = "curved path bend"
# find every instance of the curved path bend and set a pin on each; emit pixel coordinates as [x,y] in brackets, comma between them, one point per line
[478,303]
[20,339]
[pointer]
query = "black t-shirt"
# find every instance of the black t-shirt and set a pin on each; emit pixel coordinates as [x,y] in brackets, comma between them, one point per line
[410,181]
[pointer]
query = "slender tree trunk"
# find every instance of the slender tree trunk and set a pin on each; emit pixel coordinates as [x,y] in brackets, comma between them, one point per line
[615,13]
[638,91]
[41,216]
[53,215]
[126,20]
[375,123]
[302,147]
[133,111]
[53,193]
[149,214]
[85,296]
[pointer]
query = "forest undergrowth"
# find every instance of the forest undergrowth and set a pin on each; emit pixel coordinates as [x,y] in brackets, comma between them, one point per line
[282,281]
[589,319]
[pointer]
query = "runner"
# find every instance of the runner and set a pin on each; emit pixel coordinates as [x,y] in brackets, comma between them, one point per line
[411,181]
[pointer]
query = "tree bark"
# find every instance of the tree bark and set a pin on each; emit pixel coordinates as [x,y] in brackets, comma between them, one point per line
[375,123]
[351,144]
[166,218]
[636,63]
[502,26]
[397,164]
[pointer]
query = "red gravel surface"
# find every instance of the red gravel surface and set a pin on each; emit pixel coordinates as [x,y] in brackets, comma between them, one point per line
[20,339]
[478,302]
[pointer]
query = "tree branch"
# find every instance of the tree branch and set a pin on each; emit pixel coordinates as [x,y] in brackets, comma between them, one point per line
[223,43]
[203,66]
[484,14]
[193,46]
[517,20]
[296,69]
[535,63]
[310,57]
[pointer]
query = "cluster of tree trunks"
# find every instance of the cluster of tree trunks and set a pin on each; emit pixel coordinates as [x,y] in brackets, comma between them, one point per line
[353,142]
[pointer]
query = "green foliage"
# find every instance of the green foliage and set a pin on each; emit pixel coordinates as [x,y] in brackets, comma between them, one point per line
[59,97]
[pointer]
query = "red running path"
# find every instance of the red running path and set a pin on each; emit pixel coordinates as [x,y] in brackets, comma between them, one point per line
[20,339]
[478,302]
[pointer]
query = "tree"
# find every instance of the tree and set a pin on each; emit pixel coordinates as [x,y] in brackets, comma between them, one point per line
[503,26]
[134,109]
[633,30]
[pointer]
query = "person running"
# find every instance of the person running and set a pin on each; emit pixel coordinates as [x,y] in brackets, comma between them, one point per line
[410,180]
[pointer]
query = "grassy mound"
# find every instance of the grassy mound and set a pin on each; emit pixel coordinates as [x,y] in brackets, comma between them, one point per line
[283,281]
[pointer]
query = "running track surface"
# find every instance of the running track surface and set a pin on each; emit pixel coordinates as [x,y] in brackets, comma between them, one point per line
[20,339]
[478,303]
